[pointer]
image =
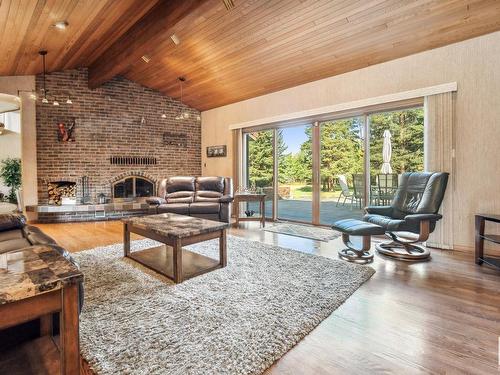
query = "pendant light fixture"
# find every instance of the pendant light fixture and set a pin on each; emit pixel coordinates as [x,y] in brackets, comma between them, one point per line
[44,93]
[183,114]
[43,53]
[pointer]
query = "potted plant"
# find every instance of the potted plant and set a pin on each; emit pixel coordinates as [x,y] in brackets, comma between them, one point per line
[10,172]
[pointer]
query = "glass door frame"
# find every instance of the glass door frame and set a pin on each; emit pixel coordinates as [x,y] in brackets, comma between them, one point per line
[316,153]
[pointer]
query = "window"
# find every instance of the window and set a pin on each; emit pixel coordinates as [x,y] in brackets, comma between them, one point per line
[357,161]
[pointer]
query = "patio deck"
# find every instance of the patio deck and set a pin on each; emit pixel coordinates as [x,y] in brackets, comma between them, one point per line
[301,210]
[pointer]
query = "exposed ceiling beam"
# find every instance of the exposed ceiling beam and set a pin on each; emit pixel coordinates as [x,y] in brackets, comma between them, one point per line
[153,29]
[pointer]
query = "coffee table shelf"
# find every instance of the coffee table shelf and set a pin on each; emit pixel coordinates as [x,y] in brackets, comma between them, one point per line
[161,259]
[175,231]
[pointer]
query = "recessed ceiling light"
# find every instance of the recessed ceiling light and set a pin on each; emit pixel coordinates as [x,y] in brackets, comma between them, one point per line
[61,25]
[175,39]
[229,4]
[146,58]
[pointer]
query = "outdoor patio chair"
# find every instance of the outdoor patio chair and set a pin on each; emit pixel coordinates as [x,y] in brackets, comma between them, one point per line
[359,188]
[387,184]
[346,193]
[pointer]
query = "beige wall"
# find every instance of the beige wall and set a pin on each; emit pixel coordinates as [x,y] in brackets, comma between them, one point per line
[21,86]
[474,64]
[10,147]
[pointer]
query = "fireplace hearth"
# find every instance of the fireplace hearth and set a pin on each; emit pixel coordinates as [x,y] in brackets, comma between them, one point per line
[133,188]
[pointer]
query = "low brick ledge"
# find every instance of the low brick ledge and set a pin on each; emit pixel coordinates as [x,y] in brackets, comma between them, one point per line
[89,212]
[125,206]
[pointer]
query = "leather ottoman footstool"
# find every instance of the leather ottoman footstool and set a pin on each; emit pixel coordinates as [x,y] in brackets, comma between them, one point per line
[354,227]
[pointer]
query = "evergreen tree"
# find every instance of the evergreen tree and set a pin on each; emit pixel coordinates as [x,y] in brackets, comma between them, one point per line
[407,130]
[260,156]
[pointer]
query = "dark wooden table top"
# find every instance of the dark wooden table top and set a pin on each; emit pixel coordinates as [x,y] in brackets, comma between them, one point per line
[248,196]
[491,217]
[32,271]
[174,225]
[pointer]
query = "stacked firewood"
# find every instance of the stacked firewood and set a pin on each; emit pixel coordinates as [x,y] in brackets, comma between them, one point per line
[59,191]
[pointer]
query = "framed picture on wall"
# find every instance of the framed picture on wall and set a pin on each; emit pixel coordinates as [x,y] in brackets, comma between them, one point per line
[216,151]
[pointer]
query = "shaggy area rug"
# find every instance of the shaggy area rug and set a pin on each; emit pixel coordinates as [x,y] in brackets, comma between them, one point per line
[305,231]
[235,320]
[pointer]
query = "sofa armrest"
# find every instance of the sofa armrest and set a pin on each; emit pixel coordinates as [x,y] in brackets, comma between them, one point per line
[11,221]
[36,237]
[417,218]
[226,199]
[156,201]
[379,210]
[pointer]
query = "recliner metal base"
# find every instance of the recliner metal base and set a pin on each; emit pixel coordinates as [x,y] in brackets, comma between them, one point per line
[404,251]
[356,255]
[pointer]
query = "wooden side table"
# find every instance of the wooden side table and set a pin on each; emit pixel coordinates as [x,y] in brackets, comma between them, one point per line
[480,258]
[250,197]
[37,282]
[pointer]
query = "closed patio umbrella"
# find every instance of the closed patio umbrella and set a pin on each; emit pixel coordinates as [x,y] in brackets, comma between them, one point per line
[386,153]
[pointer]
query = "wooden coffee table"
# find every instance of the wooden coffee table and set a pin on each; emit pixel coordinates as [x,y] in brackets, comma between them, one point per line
[175,231]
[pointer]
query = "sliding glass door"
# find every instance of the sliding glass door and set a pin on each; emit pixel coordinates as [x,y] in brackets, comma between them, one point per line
[321,172]
[259,170]
[341,169]
[294,152]
[396,146]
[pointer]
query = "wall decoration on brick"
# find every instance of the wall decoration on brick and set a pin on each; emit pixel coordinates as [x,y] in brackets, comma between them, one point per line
[108,125]
[175,139]
[65,132]
[216,151]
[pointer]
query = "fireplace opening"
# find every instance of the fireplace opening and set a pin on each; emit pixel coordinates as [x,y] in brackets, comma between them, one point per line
[132,188]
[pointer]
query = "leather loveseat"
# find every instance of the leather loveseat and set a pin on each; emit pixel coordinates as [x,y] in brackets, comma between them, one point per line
[204,197]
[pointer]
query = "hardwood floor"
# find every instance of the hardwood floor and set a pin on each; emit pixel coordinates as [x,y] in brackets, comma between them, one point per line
[442,316]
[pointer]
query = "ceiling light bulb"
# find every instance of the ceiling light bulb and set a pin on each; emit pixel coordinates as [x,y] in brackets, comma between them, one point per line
[69,101]
[185,115]
[175,39]
[56,102]
[44,100]
[163,116]
[61,25]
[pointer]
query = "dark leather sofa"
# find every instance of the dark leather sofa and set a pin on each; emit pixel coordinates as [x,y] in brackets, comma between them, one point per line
[204,197]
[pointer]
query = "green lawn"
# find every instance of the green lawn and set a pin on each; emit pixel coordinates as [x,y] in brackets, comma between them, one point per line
[304,192]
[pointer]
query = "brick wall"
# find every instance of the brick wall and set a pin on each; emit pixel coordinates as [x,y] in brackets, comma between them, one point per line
[108,123]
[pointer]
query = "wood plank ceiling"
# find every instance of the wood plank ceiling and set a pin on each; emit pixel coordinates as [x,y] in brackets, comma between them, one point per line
[26,26]
[255,48]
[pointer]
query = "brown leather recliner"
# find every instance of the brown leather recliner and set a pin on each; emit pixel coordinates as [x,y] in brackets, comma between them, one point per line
[204,197]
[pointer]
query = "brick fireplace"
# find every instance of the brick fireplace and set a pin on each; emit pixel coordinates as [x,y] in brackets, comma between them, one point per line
[119,132]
